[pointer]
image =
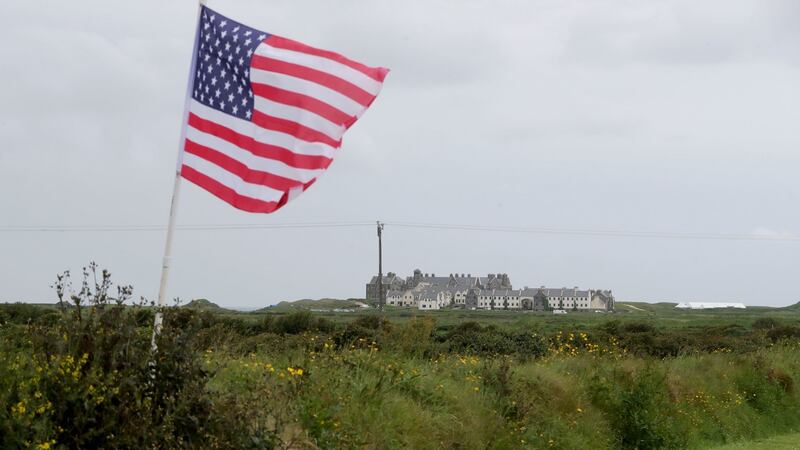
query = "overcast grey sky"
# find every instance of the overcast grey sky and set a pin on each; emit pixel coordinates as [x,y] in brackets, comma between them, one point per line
[665,116]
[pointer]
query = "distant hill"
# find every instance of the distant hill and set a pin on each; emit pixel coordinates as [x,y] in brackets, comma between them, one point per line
[201,303]
[795,307]
[643,307]
[309,304]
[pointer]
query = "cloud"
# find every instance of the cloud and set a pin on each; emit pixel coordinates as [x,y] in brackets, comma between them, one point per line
[768,233]
[681,32]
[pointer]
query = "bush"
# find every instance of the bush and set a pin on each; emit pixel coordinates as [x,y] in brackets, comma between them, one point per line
[300,322]
[783,332]
[638,409]
[91,380]
[638,327]
[765,323]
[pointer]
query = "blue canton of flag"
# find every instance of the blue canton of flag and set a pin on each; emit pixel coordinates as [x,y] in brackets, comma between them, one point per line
[222,75]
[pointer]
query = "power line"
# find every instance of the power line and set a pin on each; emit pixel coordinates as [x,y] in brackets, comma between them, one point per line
[598,232]
[415,225]
[211,227]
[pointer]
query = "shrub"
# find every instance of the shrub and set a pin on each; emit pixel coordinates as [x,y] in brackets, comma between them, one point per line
[300,322]
[90,379]
[639,410]
[638,327]
[765,323]
[783,332]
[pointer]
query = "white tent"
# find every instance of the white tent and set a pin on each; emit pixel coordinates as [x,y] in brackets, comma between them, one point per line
[709,305]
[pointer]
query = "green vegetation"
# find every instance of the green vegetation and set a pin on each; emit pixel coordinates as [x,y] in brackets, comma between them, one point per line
[201,303]
[782,442]
[83,376]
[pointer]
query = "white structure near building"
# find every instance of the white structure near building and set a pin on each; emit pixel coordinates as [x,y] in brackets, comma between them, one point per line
[709,305]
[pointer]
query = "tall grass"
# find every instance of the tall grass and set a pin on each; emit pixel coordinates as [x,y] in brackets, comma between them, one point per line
[81,378]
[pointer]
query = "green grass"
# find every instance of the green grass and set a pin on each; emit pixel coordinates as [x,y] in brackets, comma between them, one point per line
[782,442]
[654,377]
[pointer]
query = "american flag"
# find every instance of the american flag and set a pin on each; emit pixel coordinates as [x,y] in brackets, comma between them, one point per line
[267,114]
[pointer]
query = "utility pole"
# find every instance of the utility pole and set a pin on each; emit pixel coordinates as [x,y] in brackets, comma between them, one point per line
[380,267]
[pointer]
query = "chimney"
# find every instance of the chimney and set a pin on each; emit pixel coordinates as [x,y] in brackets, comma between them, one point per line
[434,275]
[469,275]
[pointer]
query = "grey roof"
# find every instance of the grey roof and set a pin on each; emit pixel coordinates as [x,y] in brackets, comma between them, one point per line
[564,292]
[385,280]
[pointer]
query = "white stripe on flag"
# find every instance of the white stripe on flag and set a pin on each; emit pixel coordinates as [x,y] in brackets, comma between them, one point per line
[250,160]
[301,116]
[290,142]
[231,180]
[330,66]
[324,94]
[262,135]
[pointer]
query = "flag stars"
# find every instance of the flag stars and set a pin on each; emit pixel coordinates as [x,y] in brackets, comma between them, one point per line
[224,51]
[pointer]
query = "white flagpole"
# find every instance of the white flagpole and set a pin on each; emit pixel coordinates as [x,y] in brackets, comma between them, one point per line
[176,187]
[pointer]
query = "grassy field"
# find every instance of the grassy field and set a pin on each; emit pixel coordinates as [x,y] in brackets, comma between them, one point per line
[646,377]
[782,442]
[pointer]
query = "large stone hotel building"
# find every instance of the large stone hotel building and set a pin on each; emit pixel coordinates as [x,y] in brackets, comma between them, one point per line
[494,291]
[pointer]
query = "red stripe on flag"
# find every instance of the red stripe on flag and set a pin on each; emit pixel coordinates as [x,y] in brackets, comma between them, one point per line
[295,129]
[326,79]
[376,73]
[230,196]
[258,148]
[303,101]
[244,172]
